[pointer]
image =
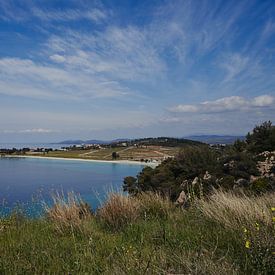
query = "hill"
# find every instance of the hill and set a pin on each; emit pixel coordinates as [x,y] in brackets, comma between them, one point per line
[158,141]
[216,139]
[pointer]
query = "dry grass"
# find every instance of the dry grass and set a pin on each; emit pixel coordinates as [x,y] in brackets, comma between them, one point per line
[68,212]
[233,211]
[119,210]
[152,204]
[202,263]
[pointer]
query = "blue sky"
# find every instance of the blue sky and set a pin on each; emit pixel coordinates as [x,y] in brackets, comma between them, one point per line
[109,69]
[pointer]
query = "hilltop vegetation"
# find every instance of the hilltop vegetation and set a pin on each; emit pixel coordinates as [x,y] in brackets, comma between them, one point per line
[248,164]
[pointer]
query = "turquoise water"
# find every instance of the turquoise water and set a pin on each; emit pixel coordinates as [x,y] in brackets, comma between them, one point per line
[25,182]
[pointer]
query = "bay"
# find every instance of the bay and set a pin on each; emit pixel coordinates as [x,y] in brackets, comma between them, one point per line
[29,181]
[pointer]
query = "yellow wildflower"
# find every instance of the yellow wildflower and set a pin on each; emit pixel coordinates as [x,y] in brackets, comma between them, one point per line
[257,226]
[273,219]
[247,244]
[273,209]
[245,230]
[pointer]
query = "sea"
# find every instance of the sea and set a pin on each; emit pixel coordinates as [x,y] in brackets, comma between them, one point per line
[27,184]
[33,145]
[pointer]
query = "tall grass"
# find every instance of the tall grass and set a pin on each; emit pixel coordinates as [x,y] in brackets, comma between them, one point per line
[143,235]
[251,215]
[67,212]
[155,205]
[119,210]
[234,211]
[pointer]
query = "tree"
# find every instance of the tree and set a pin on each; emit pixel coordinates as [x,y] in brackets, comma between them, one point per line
[262,138]
[130,185]
[115,155]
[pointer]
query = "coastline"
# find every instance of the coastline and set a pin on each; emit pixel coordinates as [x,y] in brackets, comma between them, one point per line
[132,162]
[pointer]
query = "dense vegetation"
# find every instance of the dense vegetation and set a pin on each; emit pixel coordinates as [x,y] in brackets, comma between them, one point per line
[202,168]
[163,141]
[225,234]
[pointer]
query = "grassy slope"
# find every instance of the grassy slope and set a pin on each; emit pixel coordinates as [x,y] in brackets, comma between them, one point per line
[158,240]
[130,153]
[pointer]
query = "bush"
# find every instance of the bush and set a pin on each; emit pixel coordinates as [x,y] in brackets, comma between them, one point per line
[118,211]
[260,185]
[68,212]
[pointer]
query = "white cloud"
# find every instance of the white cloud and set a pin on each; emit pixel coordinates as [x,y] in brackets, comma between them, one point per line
[57,58]
[185,108]
[29,131]
[263,101]
[39,130]
[226,104]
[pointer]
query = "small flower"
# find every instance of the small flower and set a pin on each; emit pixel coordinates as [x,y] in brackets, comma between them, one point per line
[257,226]
[247,244]
[245,230]
[273,219]
[273,209]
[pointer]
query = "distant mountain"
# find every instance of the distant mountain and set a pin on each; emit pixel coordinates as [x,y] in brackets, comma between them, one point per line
[216,139]
[71,142]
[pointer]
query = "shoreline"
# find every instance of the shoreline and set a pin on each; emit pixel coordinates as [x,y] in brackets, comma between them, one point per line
[132,162]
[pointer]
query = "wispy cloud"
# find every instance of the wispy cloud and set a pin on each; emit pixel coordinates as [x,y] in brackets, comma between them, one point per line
[23,77]
[95,15]
[18,12]
[122,53]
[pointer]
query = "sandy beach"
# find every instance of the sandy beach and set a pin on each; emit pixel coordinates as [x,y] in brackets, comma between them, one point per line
[151,164]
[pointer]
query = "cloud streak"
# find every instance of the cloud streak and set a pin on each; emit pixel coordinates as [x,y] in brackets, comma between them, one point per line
[23,77]
[30,131]
[227,104]
[18,12]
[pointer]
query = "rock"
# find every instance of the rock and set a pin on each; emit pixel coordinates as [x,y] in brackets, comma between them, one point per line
[207,176]
[195,181]
[241,182]
[266,167]
[252,178]
[184,184]
[182,199]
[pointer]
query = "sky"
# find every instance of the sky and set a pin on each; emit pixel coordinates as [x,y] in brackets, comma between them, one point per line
[110,69]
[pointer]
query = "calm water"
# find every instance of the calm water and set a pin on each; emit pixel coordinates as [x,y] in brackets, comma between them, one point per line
[29,181]
[33,145]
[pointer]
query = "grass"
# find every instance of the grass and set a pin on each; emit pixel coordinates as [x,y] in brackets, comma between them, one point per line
[143,235]
[68,213]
